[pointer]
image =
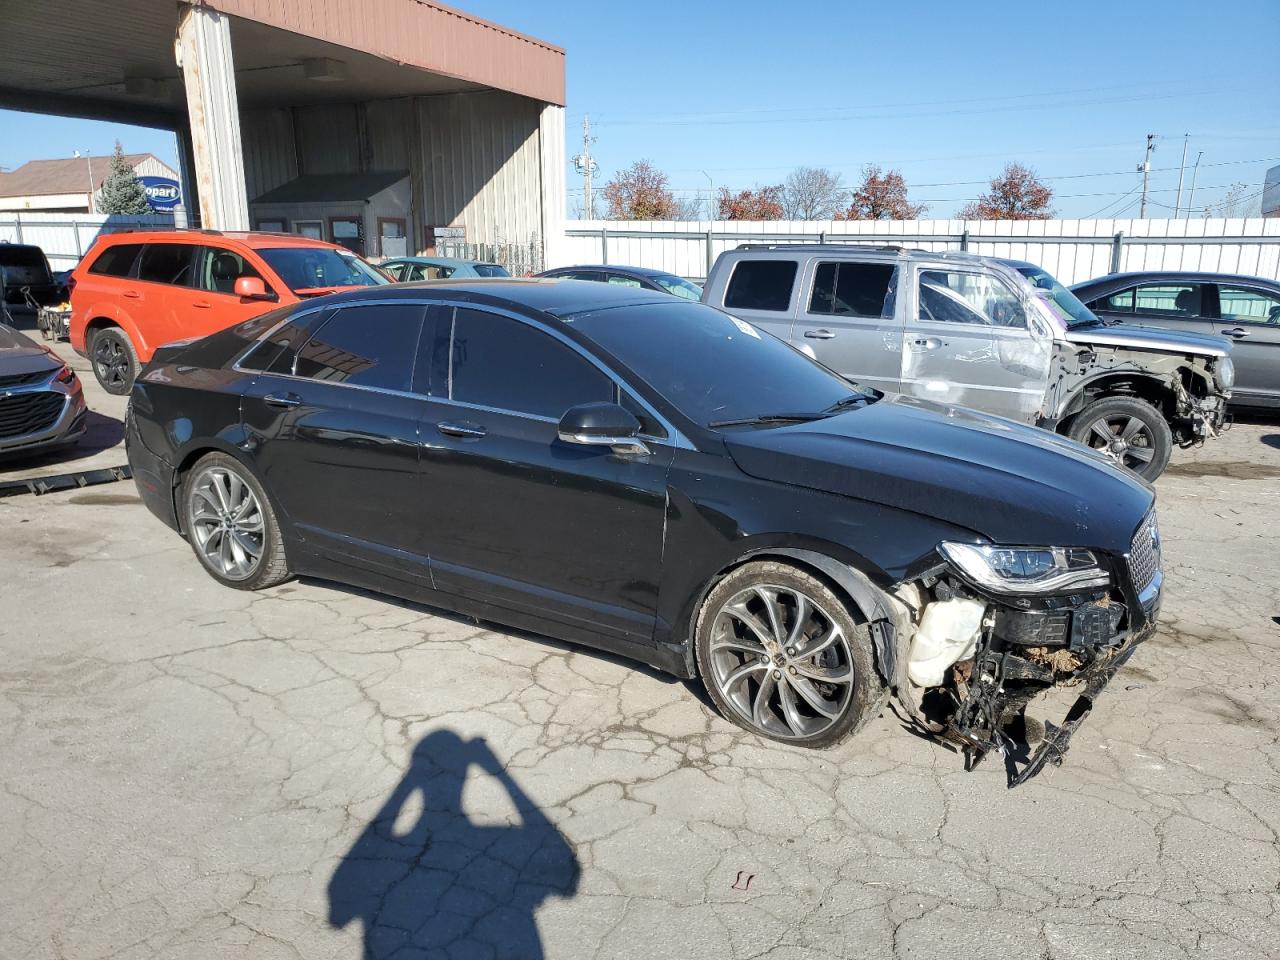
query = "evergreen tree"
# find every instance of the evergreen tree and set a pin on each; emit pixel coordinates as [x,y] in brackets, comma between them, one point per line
[122,191]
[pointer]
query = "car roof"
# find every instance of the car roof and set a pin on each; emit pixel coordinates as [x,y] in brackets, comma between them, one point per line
[880,252]
[1114,280]
[254,240]
[560,298]
[613,268]
[441,261]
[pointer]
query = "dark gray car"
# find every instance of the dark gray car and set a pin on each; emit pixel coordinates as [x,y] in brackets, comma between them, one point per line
[1246,309]
[41,401]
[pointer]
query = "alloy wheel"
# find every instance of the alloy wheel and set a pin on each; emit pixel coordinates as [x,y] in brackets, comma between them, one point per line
[1124,438]
[227,524]
[781,661]
[111,362]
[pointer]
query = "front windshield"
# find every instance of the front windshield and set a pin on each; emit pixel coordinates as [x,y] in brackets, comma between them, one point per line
[1062,303]
[679,286]
[319,268]
[711,366]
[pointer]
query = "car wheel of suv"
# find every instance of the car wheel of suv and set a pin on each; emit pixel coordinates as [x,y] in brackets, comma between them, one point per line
[231,526]
[115,363]
[1130,431]
[781,656]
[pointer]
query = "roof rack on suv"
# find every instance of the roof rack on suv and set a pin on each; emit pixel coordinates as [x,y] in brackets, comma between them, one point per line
[828,245]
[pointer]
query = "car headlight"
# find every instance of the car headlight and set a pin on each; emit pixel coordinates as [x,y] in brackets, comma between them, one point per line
[1225,372]
[1026,569]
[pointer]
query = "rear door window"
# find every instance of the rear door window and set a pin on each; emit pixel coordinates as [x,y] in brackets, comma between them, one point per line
[116,260]
[761,285]
[167,263]
[370,345]
[505,364]
[1178,299]
[621,280]
[853,289]
[1119,302]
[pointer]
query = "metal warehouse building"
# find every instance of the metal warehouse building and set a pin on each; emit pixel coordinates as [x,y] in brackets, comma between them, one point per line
[459,122]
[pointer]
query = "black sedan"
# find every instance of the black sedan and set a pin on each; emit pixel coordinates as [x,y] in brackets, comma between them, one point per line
[621,469]
[41,401]
[641,277]
[1244,309]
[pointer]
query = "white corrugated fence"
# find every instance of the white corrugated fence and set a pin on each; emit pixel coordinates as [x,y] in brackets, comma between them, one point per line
[1072,250]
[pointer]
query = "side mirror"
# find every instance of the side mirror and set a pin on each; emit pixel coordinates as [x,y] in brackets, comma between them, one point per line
[252,288]
[603,425]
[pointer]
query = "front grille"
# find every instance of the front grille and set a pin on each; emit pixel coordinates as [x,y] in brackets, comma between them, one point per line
[22,379]
[26,413]
[1144,553]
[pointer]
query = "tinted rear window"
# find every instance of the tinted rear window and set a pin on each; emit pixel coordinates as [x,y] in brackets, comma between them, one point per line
[167,263]
[490,270]
[761,285]
[116,261]
[368,346]
[23,265]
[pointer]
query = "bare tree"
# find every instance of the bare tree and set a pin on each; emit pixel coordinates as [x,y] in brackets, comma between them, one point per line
[1236,202]
[812,193]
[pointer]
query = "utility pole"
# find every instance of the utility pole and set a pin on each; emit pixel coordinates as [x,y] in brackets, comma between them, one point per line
[1145,167]
[586,165]
[1191,199]
[711,197]
[1177,204]
[88,162]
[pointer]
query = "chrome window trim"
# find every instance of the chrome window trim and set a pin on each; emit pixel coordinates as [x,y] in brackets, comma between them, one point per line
[674,438]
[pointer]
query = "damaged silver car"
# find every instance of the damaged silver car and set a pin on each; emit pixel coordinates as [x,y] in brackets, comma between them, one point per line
[1000,336]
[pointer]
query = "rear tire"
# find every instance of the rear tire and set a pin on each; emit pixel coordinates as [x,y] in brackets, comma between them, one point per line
[1130,431]
[782,656]
[231,525]
[115,362]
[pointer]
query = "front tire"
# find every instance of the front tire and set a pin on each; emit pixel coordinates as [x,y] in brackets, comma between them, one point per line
[115,362]
[781,655]
[232,528]
[1130,431]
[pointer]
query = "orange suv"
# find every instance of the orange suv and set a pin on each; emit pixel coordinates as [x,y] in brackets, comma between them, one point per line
[133,292]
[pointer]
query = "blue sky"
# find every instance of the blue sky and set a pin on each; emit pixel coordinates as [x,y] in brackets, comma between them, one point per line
[738,93]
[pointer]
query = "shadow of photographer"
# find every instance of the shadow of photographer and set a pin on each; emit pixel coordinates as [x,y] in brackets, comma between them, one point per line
[440,885]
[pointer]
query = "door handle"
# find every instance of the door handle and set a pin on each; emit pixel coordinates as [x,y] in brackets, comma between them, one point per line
[132,295]
[202,304]
[819,334]
[288,400]
[929,343]
[1238,333]
[468,431]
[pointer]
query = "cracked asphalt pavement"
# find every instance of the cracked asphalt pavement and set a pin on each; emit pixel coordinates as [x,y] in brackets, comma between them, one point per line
[189,771]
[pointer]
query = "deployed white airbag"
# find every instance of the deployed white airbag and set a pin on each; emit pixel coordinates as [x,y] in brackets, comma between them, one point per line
[948,633]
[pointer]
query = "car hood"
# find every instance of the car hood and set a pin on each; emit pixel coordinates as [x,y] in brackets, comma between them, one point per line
[1011,483]
[1151,338]
[20,354]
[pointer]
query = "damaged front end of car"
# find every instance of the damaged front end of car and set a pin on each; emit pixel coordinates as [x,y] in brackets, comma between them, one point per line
[987,628]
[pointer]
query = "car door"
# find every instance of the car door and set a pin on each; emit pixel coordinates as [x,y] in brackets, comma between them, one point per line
[762,291]
[163,299]
[215,305]
[1250,317]
[849,320]
[517,517]
[332,427]
[969,341]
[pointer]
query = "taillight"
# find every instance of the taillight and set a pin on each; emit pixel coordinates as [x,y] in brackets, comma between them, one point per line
[71,285]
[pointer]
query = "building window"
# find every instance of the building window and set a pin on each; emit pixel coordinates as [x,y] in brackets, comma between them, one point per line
[392,241]
[309,228]
[347,232]
[273,226]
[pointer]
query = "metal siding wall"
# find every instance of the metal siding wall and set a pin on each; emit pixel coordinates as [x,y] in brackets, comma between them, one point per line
[1084,252]
[269,159]
[328,138]
[480,165]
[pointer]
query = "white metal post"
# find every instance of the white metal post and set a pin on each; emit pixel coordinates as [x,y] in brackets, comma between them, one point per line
[203,51]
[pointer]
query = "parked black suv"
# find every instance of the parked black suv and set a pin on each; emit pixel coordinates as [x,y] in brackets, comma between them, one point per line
[622,469]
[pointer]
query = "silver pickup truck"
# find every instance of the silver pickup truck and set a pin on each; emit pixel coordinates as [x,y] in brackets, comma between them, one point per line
[999,336]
